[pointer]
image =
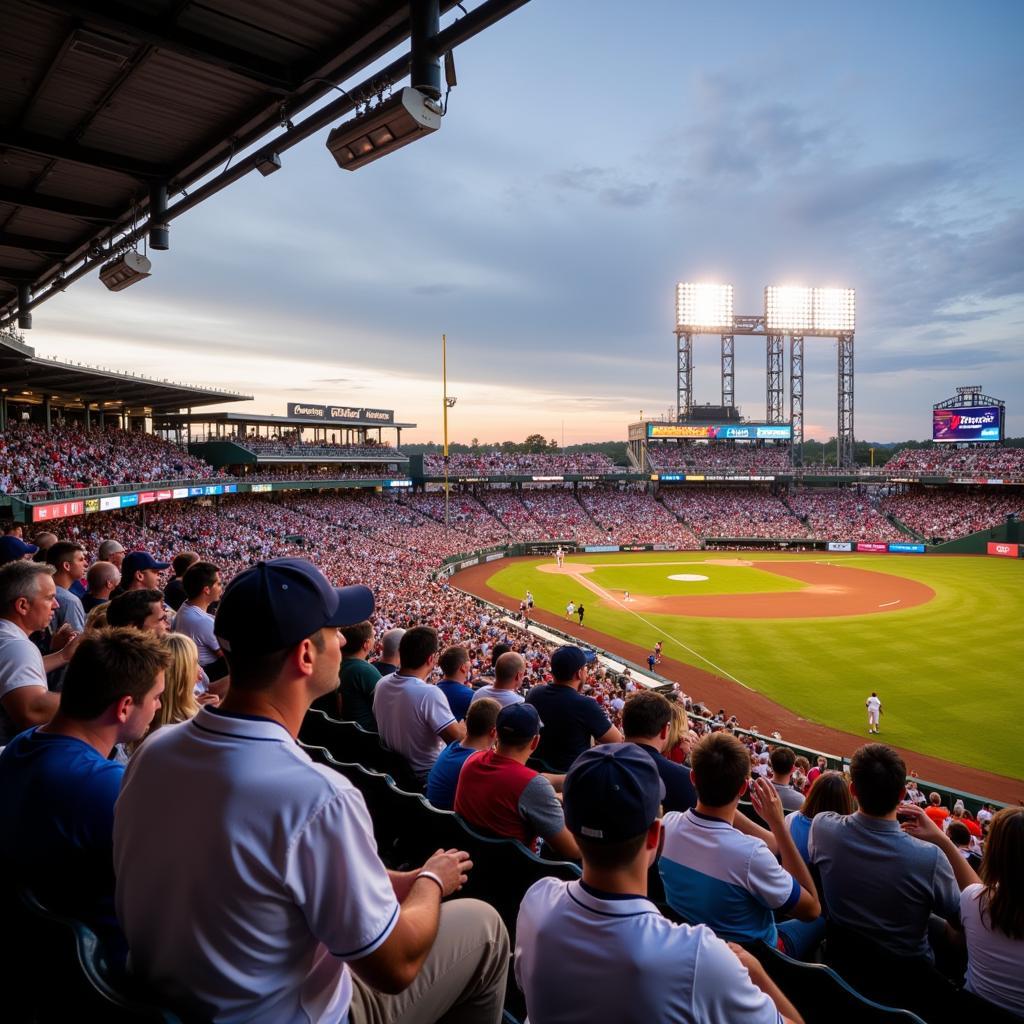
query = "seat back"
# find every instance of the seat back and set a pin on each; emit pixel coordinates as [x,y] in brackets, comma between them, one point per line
[886,978]
[822,996]
[65,975]
[350,743]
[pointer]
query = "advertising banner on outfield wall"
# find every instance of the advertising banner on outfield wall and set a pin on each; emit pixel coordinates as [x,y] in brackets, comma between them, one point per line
[1005,550]
[595,548]
[899,548]
[840,545]
[867,545]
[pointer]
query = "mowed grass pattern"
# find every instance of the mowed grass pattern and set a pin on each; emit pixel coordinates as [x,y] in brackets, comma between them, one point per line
[949,672]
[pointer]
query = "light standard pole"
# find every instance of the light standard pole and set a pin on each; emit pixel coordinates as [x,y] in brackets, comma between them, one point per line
[446,405]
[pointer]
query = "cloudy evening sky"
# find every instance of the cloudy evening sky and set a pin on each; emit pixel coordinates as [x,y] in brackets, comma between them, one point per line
[595,153]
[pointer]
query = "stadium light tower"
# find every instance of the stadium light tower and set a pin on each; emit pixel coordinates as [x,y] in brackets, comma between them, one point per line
[702,308]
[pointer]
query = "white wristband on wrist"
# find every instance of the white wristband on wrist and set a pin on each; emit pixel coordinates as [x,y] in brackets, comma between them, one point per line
[433,878]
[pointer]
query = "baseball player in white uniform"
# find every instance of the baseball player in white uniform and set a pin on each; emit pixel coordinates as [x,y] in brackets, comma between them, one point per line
[874,706]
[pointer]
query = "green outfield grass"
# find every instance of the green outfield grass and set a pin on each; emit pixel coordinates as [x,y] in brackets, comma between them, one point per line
[949,672]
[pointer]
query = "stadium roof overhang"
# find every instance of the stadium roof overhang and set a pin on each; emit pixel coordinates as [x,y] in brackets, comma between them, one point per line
[246,419]
[21,371]
[116,118]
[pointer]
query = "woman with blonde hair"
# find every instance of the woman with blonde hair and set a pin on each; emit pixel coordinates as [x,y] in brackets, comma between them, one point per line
[178,703]
[992,913]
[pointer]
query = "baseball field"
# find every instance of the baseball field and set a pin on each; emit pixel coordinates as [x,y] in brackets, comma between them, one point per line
[939,638]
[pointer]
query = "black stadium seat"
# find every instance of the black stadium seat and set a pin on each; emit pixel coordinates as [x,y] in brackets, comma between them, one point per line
[62,973]
[350,743]
[820,995]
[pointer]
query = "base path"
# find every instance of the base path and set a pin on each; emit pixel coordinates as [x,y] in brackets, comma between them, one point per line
[749,706]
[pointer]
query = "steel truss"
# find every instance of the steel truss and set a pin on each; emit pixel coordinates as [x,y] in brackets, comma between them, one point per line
[844,435]
[776,388]
[796,397]
[684,381]
[728,371]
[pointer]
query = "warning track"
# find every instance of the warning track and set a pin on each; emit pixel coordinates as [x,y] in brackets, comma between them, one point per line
[748,705]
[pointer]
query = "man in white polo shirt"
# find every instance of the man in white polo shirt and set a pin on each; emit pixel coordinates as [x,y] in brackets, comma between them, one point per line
[412,715]
[248,882]
[598,949]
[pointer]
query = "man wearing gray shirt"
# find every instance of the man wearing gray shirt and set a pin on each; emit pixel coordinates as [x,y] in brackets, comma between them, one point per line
[69,565]
[509,673]
[876,879]
[783,760]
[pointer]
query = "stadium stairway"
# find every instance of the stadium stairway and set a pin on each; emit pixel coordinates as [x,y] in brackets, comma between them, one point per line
[908,530]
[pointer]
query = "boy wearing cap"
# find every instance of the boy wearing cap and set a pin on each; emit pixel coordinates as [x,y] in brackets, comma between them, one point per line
[277,907]
[598,949]
[570,719]
[498,793]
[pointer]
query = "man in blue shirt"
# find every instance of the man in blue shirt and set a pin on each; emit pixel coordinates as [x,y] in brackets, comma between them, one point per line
[570,719]
[480,735]
[57,786]
[646,720]
[455,664]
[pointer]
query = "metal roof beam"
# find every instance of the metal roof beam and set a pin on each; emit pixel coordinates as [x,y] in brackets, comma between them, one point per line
[43,246]
[164,35]
[57,149]
[57,204]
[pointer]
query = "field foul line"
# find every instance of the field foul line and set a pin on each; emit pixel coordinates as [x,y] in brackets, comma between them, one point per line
[607,596]
[888,604]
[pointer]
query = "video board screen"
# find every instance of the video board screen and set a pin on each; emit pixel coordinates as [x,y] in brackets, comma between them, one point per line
[971,423]
[723,431]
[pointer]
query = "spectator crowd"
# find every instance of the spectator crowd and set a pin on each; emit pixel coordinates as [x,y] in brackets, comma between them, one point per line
[277,906]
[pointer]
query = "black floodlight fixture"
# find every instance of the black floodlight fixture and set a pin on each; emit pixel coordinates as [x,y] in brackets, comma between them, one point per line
[24,308]
[399,120]
[268,163]
[125,270]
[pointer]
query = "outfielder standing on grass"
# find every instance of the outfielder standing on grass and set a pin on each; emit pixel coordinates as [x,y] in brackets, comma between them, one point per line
[874,706]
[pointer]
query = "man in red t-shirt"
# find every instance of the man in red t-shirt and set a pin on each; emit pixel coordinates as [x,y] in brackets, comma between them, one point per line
[499,794]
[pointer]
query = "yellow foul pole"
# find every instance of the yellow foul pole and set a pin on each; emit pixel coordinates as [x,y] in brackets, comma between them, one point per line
[444,402]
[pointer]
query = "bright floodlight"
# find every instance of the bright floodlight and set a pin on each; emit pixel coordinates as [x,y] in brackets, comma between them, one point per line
[788,309]
[834,310]
[704,307]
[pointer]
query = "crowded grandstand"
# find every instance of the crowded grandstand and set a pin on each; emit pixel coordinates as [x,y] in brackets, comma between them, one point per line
[265,754]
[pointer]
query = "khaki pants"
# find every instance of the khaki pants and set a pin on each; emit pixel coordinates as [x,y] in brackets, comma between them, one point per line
[462,980]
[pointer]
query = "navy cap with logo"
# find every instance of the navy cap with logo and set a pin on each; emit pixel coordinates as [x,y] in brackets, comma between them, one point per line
[612,792]
[14,548]
[568,660]
[275,604]
[140,561]
[518,723]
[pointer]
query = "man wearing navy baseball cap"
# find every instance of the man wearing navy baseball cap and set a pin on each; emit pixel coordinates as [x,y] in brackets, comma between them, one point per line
[571,719]
[598,949]
[141,571]
[272,903]
[14,549]
[499,794]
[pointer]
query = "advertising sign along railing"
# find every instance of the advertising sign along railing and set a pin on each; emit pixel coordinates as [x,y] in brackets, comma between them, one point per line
[899,547]
[868,545]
